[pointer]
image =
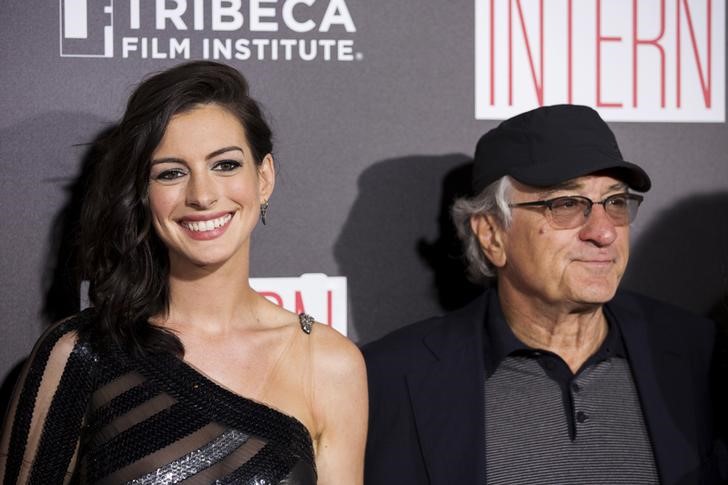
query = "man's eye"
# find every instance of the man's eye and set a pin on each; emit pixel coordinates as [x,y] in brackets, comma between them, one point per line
[170,174]
[565,203]
[226,165]
[618,201]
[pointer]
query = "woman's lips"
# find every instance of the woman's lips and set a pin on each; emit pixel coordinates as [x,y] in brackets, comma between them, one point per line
[206,228]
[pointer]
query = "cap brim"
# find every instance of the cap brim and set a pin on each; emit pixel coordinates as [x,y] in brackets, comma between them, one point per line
[550,174]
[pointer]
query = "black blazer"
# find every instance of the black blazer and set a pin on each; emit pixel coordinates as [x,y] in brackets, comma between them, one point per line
[426,384]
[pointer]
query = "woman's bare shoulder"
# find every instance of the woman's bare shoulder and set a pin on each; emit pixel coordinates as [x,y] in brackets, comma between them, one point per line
[340,406]
[334,350]
[338,366]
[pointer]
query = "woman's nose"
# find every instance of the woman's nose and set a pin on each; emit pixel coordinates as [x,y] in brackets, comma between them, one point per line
[201,191]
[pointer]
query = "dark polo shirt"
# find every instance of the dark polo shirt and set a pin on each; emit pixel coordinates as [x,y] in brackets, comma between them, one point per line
[545,424]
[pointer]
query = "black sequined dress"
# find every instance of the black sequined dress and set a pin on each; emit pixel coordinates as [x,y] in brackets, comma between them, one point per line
[90,415]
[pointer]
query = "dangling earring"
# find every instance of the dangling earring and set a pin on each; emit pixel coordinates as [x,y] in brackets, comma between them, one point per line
[263,211]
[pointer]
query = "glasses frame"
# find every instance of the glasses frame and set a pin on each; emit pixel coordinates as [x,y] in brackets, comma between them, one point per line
[549,203]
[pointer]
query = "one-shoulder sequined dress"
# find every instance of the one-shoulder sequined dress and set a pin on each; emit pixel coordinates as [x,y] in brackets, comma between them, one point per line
[88,415]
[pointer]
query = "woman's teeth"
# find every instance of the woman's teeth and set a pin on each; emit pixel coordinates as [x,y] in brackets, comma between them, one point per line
[199,226]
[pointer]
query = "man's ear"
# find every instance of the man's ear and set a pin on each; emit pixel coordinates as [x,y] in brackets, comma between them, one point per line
[490,234]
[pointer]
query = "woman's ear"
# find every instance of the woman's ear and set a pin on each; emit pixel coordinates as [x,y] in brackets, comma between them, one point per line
[266,177]
[490,234]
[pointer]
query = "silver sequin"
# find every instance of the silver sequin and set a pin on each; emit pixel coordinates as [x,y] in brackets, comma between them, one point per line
[195,461]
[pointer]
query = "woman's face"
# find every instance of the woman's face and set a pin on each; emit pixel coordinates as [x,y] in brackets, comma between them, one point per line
[205,188]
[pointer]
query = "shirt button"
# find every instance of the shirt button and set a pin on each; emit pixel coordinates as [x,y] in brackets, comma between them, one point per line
[581,417]
[575,387]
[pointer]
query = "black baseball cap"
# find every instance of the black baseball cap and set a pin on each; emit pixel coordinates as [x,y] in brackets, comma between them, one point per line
[550,145]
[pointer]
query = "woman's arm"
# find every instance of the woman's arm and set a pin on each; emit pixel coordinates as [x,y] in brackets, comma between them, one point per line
[43,425]
[341,408]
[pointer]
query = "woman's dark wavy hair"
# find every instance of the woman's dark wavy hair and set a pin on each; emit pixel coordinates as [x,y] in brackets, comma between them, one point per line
[122,257]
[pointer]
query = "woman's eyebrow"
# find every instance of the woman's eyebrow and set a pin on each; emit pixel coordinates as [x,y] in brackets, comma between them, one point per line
[223,150]
[157,161]
[209,156]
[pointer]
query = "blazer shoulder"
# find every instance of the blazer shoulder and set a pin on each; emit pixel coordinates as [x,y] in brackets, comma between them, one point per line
[403,337]
[400,349]
[412,344]
[653,308]
[664,321]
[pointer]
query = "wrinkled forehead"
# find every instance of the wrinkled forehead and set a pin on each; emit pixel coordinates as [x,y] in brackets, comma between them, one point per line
[599,182]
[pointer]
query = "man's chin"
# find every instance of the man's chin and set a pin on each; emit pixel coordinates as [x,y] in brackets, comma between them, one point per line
[595,295]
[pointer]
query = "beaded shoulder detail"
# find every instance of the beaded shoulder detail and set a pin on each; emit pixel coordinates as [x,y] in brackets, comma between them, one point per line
[306,322]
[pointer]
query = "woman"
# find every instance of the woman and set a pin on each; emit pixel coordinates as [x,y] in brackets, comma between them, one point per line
[181,371]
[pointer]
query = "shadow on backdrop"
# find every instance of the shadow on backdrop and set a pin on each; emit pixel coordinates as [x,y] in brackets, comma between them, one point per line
[682,256]
[398,248]
[60,281]
[61,289]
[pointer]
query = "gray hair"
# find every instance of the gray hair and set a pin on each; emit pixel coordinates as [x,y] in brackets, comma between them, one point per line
[493,199]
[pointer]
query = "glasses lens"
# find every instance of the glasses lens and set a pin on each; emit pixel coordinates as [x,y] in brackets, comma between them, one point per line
[568,212]
[622,208]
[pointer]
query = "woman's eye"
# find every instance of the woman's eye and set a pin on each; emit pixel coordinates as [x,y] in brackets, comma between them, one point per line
[170,174]
[226,165]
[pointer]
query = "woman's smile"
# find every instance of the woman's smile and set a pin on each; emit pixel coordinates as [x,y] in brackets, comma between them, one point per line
[206,227]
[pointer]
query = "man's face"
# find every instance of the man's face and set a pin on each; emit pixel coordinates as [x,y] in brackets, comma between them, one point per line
[574,268]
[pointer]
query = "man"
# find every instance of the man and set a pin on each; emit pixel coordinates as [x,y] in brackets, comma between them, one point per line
[552,375]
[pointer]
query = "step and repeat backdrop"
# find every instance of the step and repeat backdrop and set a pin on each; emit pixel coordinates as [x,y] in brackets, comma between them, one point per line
[376,107]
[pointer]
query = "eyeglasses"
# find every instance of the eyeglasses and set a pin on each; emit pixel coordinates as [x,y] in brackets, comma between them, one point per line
[573,211]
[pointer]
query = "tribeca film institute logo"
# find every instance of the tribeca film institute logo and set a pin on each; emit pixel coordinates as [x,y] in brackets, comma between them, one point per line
[632,60]
[262,30]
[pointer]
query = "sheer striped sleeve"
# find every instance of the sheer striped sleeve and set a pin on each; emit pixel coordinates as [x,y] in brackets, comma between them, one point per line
[42,430]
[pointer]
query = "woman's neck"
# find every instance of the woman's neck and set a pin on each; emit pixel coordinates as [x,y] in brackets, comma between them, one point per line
[212,300]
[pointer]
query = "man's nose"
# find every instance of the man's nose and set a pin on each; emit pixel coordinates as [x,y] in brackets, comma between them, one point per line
[599,227]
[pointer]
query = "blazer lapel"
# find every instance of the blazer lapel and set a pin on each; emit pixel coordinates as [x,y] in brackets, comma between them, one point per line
[674,455]
[448,401]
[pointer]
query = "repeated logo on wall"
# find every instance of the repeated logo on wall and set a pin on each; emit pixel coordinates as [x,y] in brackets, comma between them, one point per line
[261,30]
[632,60]
[323,297]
